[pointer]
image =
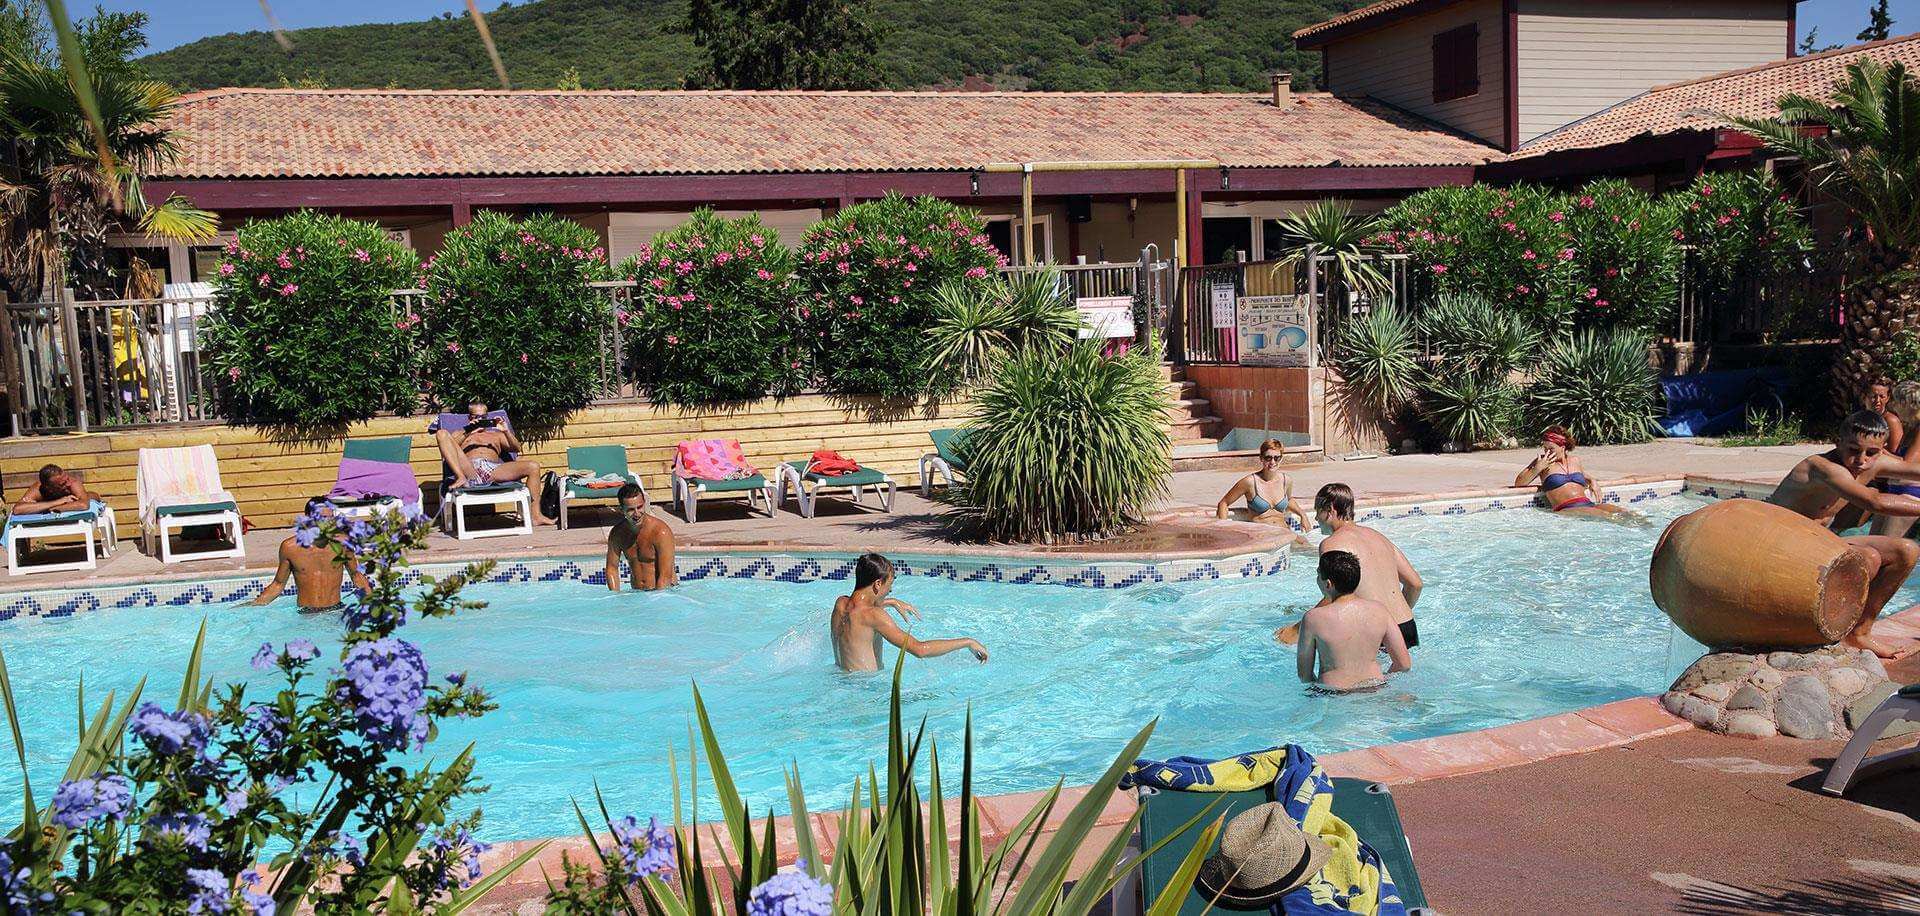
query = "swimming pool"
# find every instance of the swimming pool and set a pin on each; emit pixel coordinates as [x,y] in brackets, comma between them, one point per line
[1525,614]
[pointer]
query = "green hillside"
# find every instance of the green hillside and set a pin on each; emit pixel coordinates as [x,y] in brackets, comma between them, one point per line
[1052,44]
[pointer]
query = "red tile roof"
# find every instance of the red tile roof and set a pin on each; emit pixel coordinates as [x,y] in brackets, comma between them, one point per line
[1698,103]
[259,133]
[1363,14]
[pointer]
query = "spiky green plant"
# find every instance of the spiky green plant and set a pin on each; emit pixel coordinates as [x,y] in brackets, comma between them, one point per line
[1040,309]
[1378,358]
[1068,445]
[1599,385]
[1470,407]
[1330,229]
[974,327]
[1471,333]
[892,854]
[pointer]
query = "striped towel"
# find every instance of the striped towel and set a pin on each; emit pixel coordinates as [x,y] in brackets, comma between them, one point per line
[178,476]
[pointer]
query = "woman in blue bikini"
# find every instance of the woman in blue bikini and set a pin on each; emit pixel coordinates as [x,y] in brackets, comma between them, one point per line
[1562,480]
[1268,492]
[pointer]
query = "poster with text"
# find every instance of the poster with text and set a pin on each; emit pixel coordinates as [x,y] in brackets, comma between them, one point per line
[1221,297]
[1276,331]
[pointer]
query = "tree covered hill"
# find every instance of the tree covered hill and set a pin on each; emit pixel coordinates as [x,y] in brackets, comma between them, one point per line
[1181,45]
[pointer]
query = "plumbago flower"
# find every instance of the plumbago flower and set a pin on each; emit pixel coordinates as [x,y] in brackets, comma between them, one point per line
[791,893]
[220,782]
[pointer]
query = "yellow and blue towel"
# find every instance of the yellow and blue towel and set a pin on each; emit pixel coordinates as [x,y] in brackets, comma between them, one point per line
[1354,880]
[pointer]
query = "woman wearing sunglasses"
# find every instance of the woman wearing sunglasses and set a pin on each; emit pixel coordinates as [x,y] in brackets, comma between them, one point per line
[1268,492]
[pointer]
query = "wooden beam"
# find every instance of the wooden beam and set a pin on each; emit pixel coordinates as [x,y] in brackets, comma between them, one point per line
[462,213]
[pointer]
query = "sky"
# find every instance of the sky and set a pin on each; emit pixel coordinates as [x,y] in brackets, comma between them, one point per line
[176,22]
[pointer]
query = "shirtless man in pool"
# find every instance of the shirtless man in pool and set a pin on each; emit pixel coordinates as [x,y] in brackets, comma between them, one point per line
[1821,485]
[1386,576]
[860,621]
[645,541]
[1342,637]
[478,455]
[316,569]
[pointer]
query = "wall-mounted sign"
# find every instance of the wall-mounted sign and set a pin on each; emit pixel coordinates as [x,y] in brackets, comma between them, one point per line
[1276,331]
[1105,317]
[1221,295]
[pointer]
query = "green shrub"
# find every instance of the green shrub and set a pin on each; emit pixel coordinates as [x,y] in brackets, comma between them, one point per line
[1597,384]
[713,318]
[975,326]
[1511,245]
[1474,335]
[1470,408]
[1377,357]
[1902,362]
[510,319]
[868,275]
[1332,230]
[305,333]
[1627,261]
[1068,445]
[1765,427]
[1744,229]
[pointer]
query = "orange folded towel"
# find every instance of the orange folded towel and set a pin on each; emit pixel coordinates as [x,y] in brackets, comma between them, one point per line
[828,463]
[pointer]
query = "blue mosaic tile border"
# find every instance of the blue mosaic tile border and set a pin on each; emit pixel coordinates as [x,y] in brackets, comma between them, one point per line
[56,603]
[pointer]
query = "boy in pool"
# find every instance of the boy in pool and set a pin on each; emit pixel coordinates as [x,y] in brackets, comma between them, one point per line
[1387,578]
[1820,486]
[645,541]
[860,621]
[1341,637]
[316,569]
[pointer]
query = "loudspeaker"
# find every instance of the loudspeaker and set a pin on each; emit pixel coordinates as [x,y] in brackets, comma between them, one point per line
[1080,208]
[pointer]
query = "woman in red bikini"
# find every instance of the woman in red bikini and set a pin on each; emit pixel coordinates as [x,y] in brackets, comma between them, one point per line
[1562,480]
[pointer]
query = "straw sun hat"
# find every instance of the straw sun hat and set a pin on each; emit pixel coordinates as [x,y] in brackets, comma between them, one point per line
[1263,855]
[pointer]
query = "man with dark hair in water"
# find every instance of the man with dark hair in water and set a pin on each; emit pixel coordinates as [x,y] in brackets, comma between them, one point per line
[316,569]
[860,621]
[1820,486]
[1386,576]
[1341,637]
[645,541]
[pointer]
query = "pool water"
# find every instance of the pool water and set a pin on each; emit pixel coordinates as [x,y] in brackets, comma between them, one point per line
[1525,614]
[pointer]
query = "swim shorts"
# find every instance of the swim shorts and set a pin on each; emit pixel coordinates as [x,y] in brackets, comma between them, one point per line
[338,607]
[483,468]
[1410,631]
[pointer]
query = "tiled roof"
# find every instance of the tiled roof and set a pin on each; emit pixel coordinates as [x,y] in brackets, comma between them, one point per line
[241,133]
[1369,11]
[1696,104]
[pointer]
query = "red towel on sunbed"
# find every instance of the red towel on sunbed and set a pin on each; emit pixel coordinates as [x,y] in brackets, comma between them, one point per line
[828,463]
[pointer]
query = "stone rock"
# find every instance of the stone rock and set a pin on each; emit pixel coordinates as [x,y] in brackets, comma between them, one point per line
[1796,661]
[1714,693]
[1846,682]
[1871,664]
[1803,708]
[1864,705]
[1693,709]
[1751,725]
[1748,697]
[1720,667]
[1768,679]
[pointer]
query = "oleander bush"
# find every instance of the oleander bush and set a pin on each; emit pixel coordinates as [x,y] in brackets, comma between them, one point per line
[1626,259]
[868,276]
[510,319]
[1510,245]
[1744,230]
[311,797]
[1068,445]
[713,319]
[305,333]
[1597,384]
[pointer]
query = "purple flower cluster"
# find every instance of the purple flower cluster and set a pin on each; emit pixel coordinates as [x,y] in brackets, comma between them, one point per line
[791,893]
[348,849]
[79,802]
[644,852]
[207,891]
[385,682]
[258,903]
[445,848]
[15,895]
[170,733]
[265,726]
[299,650]
[192,830]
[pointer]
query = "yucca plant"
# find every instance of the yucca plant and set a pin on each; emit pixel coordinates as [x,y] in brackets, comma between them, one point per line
[1040,309]
[974,327]
[1378,358]
[1470,407]
[1599,385]
[1068,445]
[1330,229]
[1471,333]
[892,854]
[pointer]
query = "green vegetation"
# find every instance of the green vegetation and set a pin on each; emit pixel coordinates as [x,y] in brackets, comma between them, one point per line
[1175,45]
[1378,358]
[784,44]
[1597,384]
[1764,427]
[974,328]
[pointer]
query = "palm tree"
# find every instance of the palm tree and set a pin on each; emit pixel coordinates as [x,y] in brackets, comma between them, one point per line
[1330,229]
[67,180]
[1867,159]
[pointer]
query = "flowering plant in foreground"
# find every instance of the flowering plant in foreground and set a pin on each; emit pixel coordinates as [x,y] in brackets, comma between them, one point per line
[187,806]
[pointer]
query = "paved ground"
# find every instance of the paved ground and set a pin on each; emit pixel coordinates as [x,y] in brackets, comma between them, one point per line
[920,525]
[1691,823]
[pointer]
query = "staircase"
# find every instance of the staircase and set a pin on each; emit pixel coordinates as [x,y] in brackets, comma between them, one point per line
[1190,421]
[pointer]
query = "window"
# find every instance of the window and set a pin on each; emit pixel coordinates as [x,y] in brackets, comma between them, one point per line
[1456,63]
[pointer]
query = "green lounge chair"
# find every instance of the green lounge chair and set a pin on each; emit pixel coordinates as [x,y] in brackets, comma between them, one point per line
[687,489]
[602,461]
[800,473]
[1368,806]
[945,459]
[1853,763]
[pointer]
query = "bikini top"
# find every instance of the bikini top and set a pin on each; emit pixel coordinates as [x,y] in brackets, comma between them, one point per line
[1556,481]
[1258,505]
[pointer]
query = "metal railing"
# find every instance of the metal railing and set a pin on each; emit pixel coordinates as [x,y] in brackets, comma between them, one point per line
[1204,330]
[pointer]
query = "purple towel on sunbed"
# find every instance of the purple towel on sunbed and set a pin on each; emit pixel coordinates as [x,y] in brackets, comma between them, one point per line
[360,478]
[455,422]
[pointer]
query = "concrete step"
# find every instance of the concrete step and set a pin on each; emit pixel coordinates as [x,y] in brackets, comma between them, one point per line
[1196,408]
[1187,428]
[1187,456]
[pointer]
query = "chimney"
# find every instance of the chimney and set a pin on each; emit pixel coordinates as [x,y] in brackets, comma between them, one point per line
[1282,88]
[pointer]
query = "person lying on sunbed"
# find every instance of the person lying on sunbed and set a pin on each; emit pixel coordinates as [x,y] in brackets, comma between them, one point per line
[644,540]
[1341,640]
[317,569]
[55,490]
[478,455]
[860,621]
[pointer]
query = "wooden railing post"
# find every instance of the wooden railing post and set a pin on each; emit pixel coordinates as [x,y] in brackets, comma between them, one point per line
[70,321]
[10,354]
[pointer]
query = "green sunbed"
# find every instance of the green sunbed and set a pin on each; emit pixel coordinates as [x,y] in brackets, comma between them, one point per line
[1368,806]
[602,461]
[946,459]
[797,473]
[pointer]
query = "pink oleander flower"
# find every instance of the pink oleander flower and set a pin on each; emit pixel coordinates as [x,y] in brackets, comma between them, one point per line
[723,257]
[1677,234]
[361,255]
[1509,227]
[856,300]
[289,289]
[1523,289]
[1602,303]
[1586,200]
[1724,220]
[1592,293]
[226,269]
[284,261]
[842,267]
[1438,268]
[523,359]
[683,268]
[1557,216]
[453,346]
[658,282]
[1706,190]
[1613,271]
[757,240]
[1566,254]
[234,373]
[975,273]
[672,339]
[1528,255]
[912,268]
[763,274]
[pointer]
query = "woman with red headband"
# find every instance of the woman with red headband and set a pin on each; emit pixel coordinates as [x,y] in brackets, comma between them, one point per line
[1562,480]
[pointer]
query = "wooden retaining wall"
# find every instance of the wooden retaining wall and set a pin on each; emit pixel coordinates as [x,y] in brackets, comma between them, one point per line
[272,480]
